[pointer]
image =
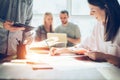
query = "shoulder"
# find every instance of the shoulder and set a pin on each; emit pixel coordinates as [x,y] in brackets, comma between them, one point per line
[58,27]
[40,27]
[73,26]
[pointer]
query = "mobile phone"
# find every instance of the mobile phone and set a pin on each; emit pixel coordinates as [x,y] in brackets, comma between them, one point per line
[16,24]
[27,27]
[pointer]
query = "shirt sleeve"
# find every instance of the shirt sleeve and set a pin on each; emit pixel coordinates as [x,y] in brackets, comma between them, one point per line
[29,12]
[77,32]
[89,42]
[114,48]
[118,51]
[29,35]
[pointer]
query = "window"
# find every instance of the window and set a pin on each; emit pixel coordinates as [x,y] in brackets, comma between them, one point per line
[76,9]
[53,6]
[79,7]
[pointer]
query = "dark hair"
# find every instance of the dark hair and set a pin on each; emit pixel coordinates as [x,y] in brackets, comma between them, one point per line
[64,11]
[112,10]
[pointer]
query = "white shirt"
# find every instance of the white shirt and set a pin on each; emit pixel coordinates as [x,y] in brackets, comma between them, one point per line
[96,42]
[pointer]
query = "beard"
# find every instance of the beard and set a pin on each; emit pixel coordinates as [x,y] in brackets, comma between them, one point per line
[64,22]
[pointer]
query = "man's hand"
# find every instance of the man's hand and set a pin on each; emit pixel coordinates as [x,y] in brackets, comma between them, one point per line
[8,25]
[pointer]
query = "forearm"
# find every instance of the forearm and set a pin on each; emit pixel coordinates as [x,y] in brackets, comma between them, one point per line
[110,57]
[115,60]
[64,50]
[74,41]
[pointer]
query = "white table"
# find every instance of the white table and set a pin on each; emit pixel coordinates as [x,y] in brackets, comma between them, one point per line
[65,67]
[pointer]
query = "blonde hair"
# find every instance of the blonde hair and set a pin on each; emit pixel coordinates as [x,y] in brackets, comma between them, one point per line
[45,15]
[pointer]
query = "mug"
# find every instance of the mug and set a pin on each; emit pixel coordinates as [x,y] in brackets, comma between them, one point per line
[21,51]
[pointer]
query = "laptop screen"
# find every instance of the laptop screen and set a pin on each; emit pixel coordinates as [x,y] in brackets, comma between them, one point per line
[62,38]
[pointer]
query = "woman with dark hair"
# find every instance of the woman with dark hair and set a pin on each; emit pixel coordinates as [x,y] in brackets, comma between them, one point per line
[111,18]
[104,42]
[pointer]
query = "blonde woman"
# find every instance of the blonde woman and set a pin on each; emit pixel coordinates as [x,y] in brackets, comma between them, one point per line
[42,30]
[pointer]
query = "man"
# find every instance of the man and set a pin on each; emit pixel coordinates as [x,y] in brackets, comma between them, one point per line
[72,30]
[13,11]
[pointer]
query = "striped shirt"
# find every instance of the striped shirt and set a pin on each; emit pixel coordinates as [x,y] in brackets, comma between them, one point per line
[16,11]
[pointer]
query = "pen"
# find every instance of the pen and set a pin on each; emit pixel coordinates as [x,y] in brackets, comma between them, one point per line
[19,42]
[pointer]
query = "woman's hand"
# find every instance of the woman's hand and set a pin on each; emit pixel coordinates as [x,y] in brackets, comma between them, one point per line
[104,57]
[52,51]
[56,51]
[113,60]
[96,56]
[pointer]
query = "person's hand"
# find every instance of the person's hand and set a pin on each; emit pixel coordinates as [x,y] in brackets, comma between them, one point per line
[8,58]
[113,60]
[28,38]
[52,51]
[81,51]
[96,56]
[58,51]
[8,26]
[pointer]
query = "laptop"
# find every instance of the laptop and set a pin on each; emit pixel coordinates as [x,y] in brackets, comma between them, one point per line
[61,40]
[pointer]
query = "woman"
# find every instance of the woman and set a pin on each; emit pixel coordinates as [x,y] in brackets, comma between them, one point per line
[41,32]
[104,43]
